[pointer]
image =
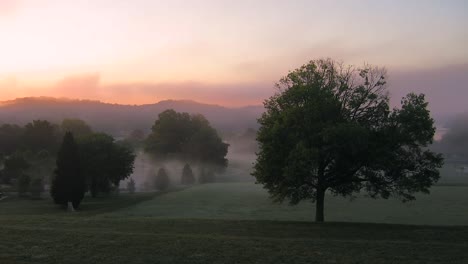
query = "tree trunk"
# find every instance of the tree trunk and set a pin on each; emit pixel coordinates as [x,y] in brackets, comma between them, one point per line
[319,216]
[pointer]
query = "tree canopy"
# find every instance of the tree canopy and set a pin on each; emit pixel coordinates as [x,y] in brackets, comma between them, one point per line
[186,137]
[104,162]
[78,127]
[330,128]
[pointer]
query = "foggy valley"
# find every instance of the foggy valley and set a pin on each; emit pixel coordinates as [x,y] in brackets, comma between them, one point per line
[233,132]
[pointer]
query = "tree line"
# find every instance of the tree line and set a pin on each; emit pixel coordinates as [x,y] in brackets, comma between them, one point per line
[31,154]
[81,160]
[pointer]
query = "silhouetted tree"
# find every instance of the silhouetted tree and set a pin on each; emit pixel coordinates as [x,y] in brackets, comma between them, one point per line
[69,183]
[162,180]
[329,127]
[186,137]
[104,162]
[131,186]
[187,176]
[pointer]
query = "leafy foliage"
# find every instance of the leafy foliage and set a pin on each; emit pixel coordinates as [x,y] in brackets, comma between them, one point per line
[329,127]
[76,126]
[69,182]
[13,167]
[41,135]
[105,163]
[186,137]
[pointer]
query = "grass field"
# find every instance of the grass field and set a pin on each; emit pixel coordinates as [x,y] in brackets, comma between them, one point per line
[163,228]
[446,205]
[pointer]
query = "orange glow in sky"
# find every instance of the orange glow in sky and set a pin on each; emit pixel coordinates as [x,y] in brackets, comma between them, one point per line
[225,52]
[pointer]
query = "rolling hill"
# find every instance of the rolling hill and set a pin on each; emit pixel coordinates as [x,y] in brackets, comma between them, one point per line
[121,119]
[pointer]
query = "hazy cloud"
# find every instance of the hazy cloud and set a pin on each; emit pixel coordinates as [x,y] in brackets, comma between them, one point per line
[446,90]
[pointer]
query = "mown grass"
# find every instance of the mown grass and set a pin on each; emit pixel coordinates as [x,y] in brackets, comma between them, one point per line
[45,239]
[247,201]
[104,231]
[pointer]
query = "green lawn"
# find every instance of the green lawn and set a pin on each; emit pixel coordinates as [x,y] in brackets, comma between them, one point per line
[445,205]
[45,239]
[163,228]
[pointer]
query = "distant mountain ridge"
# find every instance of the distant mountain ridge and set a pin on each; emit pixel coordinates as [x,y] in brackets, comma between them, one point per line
[118,119]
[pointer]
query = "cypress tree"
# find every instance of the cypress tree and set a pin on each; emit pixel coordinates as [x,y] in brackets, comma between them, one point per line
[69,183]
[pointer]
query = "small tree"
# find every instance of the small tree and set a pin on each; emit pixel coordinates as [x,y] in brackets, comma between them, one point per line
[162,180]
[131,186]
[23,183]
[36,188]
[187,176]
[69,183]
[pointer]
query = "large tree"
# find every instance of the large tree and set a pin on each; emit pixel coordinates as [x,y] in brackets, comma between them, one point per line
[330,128]
[69,182]
[187,137]
[105,163]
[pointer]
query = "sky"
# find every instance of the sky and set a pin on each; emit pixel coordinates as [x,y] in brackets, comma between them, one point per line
[225,52]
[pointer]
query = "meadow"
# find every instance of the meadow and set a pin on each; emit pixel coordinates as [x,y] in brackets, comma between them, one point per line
[234,223]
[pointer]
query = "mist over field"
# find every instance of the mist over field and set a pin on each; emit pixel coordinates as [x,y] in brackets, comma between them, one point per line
[216,131]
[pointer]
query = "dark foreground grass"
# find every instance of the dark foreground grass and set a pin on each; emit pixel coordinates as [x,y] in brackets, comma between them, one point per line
[38,232]
[82,239]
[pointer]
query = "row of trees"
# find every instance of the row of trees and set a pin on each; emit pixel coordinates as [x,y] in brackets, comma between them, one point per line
[28,155]
[162,180]
[31,150]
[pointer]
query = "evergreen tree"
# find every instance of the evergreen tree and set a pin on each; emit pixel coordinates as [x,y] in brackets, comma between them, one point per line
[69,183]
[187,176]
